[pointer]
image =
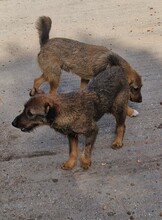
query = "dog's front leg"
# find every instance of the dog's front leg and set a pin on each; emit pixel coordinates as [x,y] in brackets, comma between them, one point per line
[73,152]
[132,112]
[85,158]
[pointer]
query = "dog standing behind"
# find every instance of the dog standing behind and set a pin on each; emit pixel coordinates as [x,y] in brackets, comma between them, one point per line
[85,60]
[77,113]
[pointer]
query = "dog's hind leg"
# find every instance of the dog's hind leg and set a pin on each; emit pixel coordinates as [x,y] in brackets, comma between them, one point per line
[53,85]
[54,77]
[85,158]
[37,82]
[73,152]
[120,112]
[120,130]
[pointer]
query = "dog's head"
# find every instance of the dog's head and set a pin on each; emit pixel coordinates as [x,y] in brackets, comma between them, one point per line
[135,85]
[37,111]
[134,79]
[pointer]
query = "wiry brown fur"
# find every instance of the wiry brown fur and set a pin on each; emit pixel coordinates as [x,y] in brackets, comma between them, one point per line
[85,60]
[77,113]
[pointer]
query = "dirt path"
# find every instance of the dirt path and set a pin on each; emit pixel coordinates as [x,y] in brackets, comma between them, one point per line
[120,185]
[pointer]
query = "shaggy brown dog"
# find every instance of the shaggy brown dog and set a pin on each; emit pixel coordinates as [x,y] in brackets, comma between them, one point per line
[77,113]
[85,60]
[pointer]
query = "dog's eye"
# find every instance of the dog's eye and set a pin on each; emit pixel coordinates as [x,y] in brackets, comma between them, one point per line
[135,89]
[29,114]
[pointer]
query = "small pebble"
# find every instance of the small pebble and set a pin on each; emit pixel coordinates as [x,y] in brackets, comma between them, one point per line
[54,180]
[128,213]
[104,207]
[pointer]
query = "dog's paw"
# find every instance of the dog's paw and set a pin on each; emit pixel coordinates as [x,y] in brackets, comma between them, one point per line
[135,113]
[116,146]
[33,92]
[68,165]
[85,162]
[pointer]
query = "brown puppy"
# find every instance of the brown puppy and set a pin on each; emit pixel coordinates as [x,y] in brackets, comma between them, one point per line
[85,60]
[77,113]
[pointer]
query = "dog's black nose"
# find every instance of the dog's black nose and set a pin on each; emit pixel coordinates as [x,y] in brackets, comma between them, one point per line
[14,123]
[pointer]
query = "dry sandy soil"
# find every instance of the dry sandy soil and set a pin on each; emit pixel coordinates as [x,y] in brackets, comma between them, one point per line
[120,185]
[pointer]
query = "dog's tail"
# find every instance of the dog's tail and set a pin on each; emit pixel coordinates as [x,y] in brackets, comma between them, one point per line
[43,25]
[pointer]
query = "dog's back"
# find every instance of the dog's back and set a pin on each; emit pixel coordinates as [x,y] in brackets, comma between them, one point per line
[108,85]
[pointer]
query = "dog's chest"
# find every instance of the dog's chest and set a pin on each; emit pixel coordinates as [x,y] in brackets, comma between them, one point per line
[74,122]
[62,124]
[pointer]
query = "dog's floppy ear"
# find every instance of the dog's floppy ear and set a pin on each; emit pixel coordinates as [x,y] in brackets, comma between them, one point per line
[50,112]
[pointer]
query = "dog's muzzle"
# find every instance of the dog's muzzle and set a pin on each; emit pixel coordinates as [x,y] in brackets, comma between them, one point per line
[14,123]
[136,100]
